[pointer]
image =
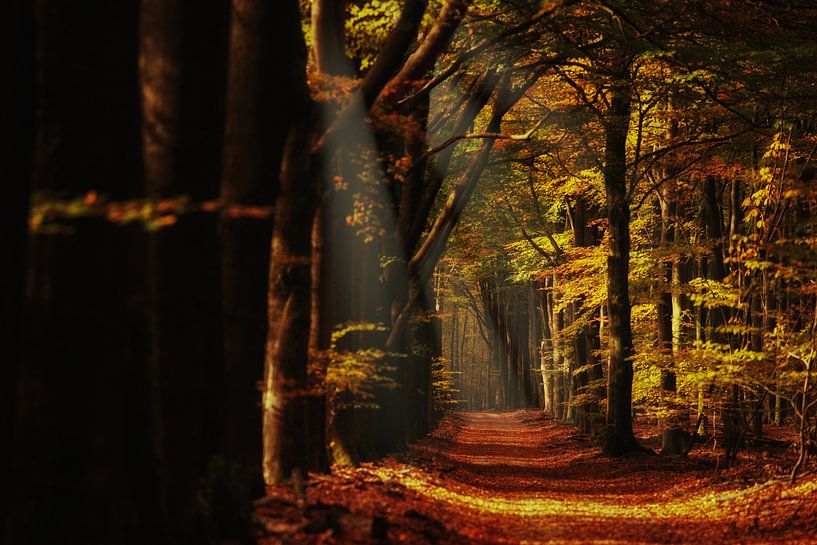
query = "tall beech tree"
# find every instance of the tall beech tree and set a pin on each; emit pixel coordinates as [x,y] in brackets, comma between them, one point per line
[285,455]
[255,130]
[620,438]
[391,70]
[181,73]
[73,470]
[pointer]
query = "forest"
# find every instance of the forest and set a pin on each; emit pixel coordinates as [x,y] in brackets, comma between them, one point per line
[409,271]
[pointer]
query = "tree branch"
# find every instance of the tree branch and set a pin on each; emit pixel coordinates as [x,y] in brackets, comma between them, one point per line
[422,60]
[545,11]
[477,135]
[391,55]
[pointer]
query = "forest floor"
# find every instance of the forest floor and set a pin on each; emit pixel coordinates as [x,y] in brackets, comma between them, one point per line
[519,477]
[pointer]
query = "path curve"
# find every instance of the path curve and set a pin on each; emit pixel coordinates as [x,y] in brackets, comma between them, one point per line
[517,477]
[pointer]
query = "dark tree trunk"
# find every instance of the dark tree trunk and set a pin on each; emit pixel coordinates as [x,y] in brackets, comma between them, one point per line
[181,69]
[674,439]
[499,346]
[488,336]
[579,374]
[255,129]
[535,339]
[290,284]
[714,228]
[459,382]
[16,156]
[73,476]
[620,439]
[511,353]
[329,48]
[340,288]
[289,309]
[732,416]
[584,410]
[523,350]
[596,374]
[320,335]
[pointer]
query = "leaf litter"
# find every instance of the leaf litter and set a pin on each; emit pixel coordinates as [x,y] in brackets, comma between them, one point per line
[521,478]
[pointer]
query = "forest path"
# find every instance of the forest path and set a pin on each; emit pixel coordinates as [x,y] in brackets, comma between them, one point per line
[521,478]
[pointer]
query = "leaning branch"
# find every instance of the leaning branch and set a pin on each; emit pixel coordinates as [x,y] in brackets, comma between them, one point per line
[546,11]
[541,251]
[422,60]
[477,135]
[385,67]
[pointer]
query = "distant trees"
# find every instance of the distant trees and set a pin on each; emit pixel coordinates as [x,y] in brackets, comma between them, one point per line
[692,125]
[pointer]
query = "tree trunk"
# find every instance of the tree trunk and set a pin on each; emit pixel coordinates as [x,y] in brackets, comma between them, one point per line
[596,374]
[535,341]
[181,67]
[673,438]
[290,284]
[501,343]
[732,415]
[583,411]
[16,156]
[557,325]
[72,475]
[546,351]
[320,339]
[523,349]
[255,129]
[620,439]
[329,47]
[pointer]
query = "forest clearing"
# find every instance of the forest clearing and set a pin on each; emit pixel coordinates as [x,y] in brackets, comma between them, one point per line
[408,271]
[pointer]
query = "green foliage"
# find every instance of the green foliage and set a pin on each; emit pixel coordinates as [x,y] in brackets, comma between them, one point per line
[442,382]
[49,215]
[367,26]
[351,376]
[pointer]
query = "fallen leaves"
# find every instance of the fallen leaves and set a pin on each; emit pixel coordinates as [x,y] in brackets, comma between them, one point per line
[521,478]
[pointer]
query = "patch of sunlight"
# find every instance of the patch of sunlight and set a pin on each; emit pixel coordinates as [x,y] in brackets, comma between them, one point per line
[492,460]
[703,507]
[800,489]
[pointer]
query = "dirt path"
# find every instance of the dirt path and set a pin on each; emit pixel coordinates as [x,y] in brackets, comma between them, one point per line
[519,478]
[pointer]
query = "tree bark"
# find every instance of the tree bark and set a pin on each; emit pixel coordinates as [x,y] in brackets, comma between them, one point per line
[181,77]
[620,439]
[329,46]
[72,473]
[557,325]
[732,415]
[255,129]
[674,439]
[546,351]
[285,456]
[16,158]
